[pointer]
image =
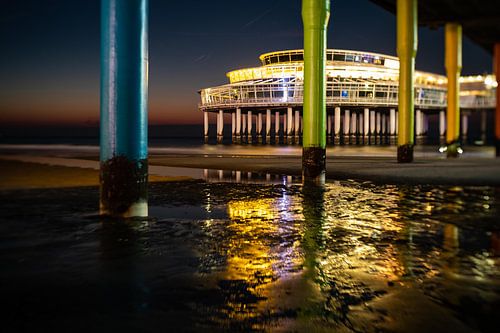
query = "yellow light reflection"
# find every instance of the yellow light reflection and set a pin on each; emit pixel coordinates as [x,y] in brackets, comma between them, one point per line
[255,254]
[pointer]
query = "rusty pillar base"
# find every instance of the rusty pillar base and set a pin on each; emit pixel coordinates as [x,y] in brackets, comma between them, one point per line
[313,162]
[405,153]
[124,187]
[453,149]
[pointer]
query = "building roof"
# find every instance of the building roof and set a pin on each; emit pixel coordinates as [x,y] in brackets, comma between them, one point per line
[480,19]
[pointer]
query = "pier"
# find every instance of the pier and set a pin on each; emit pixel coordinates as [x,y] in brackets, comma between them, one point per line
[264,104]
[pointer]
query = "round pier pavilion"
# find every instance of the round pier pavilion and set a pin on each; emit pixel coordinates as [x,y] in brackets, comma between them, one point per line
[265,103]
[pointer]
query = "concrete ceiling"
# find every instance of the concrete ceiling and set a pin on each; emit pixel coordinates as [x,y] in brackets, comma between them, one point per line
[480,19]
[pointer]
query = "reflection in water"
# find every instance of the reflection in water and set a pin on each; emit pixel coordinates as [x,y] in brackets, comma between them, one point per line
[261,250]
[118,250]
[248,177]
[330,252]
[342,256]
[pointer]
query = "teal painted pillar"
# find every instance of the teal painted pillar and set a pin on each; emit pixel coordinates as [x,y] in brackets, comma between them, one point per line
[124,99]
[315,16]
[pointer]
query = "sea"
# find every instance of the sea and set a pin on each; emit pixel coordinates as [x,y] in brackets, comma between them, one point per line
[192,135]
[158,135]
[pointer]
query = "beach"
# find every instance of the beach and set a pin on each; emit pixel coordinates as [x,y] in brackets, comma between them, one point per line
[235,242]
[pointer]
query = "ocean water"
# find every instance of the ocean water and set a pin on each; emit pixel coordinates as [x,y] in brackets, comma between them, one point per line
[192,135]
[158,135]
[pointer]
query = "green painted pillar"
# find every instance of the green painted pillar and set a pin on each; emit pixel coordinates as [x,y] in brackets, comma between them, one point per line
[315,16]
[407,50]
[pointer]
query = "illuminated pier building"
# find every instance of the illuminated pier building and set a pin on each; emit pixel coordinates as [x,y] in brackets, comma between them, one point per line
[361,97]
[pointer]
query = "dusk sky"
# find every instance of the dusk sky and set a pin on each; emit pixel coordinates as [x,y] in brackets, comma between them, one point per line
[49,64]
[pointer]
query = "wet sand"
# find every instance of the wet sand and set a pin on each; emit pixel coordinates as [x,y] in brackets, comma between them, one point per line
[349,256]
[477,167]
[223,257]
[27,175]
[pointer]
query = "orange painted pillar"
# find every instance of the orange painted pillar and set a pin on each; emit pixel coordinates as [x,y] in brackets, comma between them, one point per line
[496,69]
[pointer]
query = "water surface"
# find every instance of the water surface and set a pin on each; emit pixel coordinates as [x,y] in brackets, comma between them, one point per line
[346,256]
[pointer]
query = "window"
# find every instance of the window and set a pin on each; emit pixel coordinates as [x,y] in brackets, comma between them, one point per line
[297,57]
[339,57]
[367,94]
[367,60]
[284,58]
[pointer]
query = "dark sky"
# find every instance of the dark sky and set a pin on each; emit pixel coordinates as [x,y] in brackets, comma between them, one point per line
[49,63]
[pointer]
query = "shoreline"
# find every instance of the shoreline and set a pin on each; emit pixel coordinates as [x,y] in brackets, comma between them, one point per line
[376,164]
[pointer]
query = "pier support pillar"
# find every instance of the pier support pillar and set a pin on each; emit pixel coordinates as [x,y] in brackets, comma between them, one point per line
[243,124]
[259,126]
[336,125]
[218,125]
[205,126]
[124,102]
[285,139]
[442,126]
[496,70]
[366,126]
[315,16]
[347,125]
[425,123]
[296,127]
[289,121]
[397,124]
[392,126]
[250,122]
[453,64]
[268,125]
[233,124]
[277,124]
[384,129]
[328,127]
[378,126]
[361,129]
[238,124]
[407,51]
[465,128]
[372,126]
[354,130]
[220,122]
[418,126]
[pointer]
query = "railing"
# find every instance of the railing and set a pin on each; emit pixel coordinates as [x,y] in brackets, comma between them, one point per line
[338,93]
[478,102]
[297,101]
